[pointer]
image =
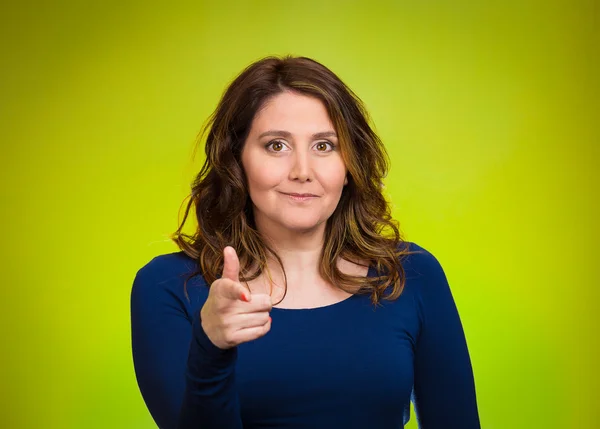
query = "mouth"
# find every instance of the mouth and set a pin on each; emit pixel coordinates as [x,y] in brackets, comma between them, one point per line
[300,197]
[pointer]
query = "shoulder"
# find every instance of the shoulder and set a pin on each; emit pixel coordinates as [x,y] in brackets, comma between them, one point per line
[420,262]
[165,267]
[162,280]
[427,279]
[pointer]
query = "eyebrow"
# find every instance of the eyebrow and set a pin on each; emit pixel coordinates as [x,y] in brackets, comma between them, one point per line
[281,133]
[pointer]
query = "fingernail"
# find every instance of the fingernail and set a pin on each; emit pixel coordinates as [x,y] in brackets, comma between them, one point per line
[270,320]
[245,298]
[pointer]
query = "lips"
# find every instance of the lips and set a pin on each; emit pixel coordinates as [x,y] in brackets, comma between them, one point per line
[299,195]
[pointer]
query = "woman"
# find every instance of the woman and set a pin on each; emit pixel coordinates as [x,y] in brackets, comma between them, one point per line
[318,314]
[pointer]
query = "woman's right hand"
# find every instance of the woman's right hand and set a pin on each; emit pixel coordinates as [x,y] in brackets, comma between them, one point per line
[231,314]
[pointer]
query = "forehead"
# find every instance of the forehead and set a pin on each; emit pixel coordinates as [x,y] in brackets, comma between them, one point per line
[292,112]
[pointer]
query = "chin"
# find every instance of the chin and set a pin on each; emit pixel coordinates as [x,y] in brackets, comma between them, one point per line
[300,225]
[297,222]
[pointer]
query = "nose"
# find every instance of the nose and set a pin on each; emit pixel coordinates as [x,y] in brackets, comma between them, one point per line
[301,169]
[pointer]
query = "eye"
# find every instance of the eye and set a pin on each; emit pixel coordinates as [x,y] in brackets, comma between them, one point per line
[277,145]
[323,145]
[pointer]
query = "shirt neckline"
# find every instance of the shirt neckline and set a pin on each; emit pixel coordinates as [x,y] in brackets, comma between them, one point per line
[370,273]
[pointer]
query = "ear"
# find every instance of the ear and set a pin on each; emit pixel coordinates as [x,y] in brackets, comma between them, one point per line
[345,180]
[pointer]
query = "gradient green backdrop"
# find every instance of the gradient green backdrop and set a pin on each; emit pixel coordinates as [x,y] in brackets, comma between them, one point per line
[490,115]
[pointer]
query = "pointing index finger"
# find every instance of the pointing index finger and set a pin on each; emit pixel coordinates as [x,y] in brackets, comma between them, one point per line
[234,291]
[231,264]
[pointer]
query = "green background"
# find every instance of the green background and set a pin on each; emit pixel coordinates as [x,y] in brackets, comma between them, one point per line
[490,115]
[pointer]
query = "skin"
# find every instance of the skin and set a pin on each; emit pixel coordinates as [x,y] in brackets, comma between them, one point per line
[292,148]
[300,157]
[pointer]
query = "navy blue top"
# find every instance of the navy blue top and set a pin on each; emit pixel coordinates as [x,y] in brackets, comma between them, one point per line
[345,365]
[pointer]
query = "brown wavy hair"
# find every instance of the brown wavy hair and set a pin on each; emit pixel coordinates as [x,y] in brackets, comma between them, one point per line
[361,227]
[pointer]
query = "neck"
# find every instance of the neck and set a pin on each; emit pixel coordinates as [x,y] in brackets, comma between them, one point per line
[299,251]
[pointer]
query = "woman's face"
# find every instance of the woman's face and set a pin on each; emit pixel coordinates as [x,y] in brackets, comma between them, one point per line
[292,148]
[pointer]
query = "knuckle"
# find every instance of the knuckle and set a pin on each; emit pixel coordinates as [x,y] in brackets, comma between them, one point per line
[217,284]
[222,284]
[229,339]
[266,328]
[266,302]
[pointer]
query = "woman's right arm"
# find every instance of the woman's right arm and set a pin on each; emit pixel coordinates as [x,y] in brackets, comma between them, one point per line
[210,399]
[185,380]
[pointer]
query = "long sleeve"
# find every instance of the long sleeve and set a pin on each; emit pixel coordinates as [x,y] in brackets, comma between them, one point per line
[414,344]
[210,399]
[185,380]
[444,387]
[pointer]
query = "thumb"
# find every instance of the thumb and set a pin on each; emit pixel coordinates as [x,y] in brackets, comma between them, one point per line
[233,291]
[231,264]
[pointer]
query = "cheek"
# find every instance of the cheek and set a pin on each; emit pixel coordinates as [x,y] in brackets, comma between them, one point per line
[261,176]
[332,177]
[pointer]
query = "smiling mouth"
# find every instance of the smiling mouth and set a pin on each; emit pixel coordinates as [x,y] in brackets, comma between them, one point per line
[300,197]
